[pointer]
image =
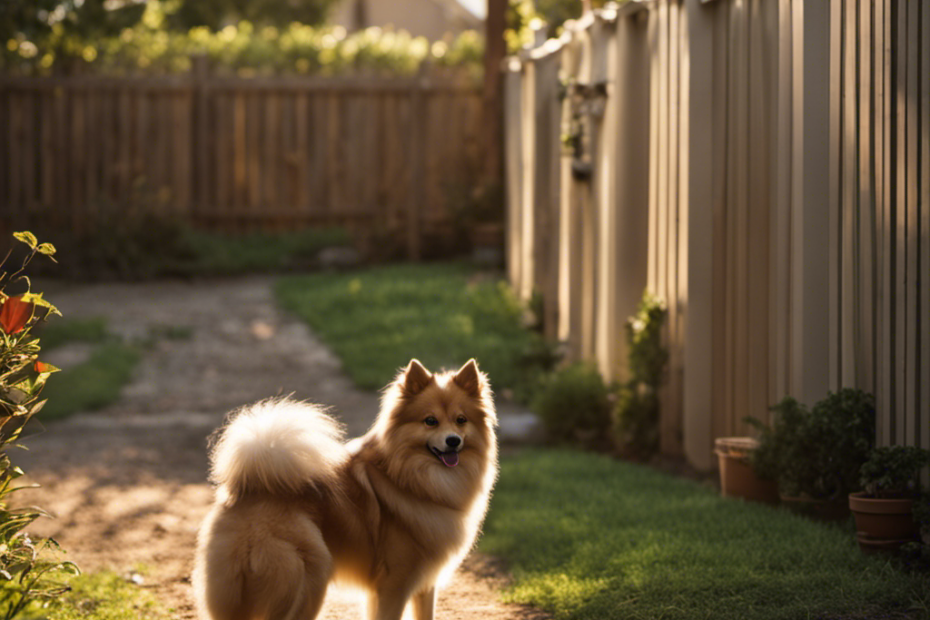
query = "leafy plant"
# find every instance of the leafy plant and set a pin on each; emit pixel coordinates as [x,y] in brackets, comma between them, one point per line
[636,416]
[28,569]
[574,403]
[893,471]
[818,452]
[149,45]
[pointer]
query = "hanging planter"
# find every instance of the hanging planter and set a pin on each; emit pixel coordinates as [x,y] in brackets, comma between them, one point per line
[737,477]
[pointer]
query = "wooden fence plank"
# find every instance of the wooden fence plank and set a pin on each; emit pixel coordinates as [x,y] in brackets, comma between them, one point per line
[866,213]
[911,226]
[886,401]
[848,206]
[922,421]
[722,252]
[900,295]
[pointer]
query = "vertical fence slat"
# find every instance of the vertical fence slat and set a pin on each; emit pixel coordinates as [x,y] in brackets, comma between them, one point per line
[865,342]
[923,423]
[911,226]
[900,267]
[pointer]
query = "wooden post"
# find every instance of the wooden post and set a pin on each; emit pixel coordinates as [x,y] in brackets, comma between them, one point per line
[418,120]
[200,72]
[493,108]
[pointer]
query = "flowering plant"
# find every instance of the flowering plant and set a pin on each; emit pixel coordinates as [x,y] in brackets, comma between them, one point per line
[27,572]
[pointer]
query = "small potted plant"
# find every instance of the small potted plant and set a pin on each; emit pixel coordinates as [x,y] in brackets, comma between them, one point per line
[884,510]
[738,476]
[816,453]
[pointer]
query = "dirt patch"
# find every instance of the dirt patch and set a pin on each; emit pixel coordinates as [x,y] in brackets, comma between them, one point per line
[128,484]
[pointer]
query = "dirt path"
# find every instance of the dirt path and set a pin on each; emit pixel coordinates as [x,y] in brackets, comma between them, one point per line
[128,484]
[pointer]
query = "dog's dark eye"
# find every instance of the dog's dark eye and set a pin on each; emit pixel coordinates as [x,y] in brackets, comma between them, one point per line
[431,421]
[461,420]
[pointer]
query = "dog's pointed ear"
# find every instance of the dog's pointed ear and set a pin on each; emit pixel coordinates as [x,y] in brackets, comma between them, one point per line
[416,378]
[469,378]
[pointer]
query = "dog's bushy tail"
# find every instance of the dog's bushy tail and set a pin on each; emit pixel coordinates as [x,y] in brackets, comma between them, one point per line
[277,446]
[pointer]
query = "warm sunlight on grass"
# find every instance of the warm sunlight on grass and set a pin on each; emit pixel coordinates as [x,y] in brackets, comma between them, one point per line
[591,537]
[376,320]
[103,596]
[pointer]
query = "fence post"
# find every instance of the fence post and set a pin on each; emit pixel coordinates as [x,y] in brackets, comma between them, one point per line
[418,119]
[200,148]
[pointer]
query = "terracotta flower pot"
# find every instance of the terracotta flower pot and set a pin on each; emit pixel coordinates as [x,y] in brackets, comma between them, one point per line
[883,524]
[737,478]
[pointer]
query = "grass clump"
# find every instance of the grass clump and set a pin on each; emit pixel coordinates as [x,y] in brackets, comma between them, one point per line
[135,242]
[102,596]
[93,384]
[440,313]
[588,537]
[64,331]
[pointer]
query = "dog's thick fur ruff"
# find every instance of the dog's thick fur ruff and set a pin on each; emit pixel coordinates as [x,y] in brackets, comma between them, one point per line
[393,512]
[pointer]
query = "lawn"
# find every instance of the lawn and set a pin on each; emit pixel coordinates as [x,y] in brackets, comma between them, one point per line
[99,596]
[441,313]
[590,537]
[94,383]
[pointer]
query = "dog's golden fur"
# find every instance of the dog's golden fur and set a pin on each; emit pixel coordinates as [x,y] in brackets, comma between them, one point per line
[393,512]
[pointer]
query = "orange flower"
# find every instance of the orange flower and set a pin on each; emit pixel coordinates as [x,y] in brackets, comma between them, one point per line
[40,367]
[15,313]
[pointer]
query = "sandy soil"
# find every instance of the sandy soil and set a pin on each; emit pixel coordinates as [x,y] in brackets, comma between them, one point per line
[128,484]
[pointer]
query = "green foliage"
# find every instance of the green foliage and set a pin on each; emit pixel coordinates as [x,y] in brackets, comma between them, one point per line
[93,384]
[589,537]
[441,313]
[818,452]
[523,15]
[58,333]
[893,471]
[243,47]
[214,14]
[574,403]
[636,416]
[29,568]
[132,243]
[104,596]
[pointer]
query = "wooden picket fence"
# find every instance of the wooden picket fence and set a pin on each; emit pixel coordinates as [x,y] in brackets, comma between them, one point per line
[375,154]
[761,165]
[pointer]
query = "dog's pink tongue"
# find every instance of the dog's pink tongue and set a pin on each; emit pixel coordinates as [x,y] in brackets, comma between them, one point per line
[450,459]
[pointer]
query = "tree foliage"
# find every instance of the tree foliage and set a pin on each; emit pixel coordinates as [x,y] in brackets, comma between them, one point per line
[152,46]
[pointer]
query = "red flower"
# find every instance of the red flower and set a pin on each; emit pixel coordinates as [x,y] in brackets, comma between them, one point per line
[40,367]
[15,313]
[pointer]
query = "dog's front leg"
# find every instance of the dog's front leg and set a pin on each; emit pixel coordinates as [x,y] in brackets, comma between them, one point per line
[424,603]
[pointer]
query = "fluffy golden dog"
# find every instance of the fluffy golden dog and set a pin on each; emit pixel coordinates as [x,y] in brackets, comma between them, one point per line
[393,511]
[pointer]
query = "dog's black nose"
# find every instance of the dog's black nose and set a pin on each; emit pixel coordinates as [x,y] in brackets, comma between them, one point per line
[453,441]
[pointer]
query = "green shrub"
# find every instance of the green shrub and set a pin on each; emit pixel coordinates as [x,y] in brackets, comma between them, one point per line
[574,403]
[28,566]
[893,471]
[636,416]
[818,452]
[151,46]
[134,242]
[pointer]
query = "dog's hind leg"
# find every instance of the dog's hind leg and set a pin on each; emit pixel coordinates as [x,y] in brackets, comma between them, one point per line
[423,604]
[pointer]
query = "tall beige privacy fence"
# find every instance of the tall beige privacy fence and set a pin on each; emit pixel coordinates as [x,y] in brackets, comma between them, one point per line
[376,154]
[761,165]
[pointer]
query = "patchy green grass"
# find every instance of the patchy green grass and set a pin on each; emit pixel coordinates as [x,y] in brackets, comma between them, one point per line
[91,385]
[589,537]
[102,596]
[60,331]
[210,253]
[440,313]
[96,382]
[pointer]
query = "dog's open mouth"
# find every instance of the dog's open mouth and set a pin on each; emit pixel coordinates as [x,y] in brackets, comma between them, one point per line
[449,459]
